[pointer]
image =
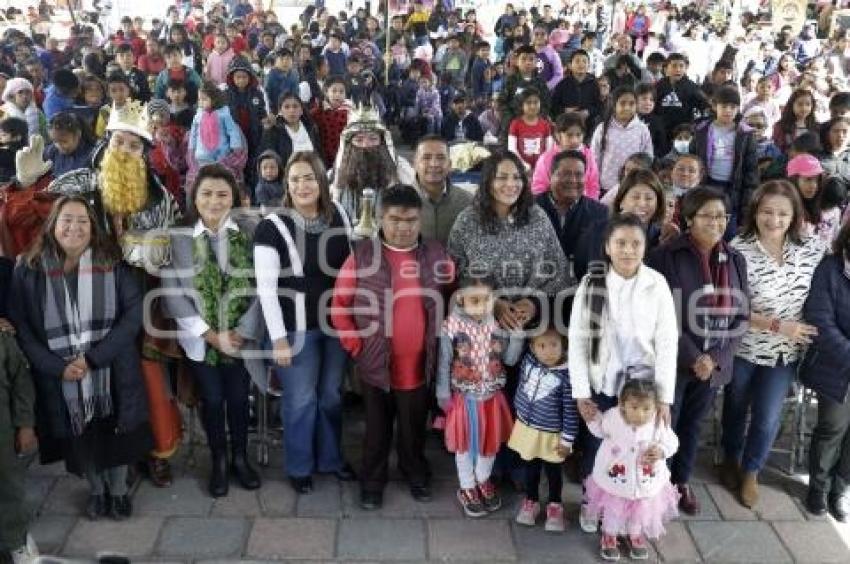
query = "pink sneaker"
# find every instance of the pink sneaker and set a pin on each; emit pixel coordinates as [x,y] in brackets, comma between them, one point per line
[555,518]
[608,548]
[528,512]
[637,548]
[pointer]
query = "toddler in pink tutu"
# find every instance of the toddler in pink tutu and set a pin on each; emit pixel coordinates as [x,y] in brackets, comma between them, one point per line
[630,485]
[470,378]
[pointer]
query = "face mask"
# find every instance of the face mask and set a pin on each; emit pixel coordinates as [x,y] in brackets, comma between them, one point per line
[681,145]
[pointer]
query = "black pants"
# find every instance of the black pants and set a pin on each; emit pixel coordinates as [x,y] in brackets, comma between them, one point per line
[532,479]
[829,456]
[410,410]
[693,401]
[220,386]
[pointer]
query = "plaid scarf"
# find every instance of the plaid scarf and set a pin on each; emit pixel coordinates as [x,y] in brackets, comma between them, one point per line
[73,326]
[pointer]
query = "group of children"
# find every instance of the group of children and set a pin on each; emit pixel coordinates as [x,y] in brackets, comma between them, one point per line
[629,491]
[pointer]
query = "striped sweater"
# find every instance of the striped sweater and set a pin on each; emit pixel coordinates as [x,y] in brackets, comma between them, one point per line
[544,399]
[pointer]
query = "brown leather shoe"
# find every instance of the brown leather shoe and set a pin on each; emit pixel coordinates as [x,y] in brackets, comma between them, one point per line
[688,503]
[749,489]
[730,475]
[159,470]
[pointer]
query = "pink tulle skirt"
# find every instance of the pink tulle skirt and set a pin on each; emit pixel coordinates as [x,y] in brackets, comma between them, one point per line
[621,516]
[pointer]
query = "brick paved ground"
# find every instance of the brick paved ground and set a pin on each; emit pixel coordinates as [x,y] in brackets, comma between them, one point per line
[182,524]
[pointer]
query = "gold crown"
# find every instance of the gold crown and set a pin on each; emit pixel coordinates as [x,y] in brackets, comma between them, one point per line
[132,117]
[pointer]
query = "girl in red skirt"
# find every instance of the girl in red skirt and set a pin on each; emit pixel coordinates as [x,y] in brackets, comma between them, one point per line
[470,378]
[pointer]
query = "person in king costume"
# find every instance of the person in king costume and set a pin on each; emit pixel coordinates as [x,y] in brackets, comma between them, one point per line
[366,159]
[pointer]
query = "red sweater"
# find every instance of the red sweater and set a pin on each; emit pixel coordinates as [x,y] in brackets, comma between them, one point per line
[408,321]
[151,64]
[531,140]
[330,123]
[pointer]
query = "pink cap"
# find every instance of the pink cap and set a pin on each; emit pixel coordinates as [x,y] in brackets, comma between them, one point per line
[804,165]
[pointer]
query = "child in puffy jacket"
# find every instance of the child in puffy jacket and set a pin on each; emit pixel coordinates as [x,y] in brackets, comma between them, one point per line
[428,105]
[546,425]
[214,136]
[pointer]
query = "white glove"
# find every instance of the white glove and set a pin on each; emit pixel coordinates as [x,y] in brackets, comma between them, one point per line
[30,164]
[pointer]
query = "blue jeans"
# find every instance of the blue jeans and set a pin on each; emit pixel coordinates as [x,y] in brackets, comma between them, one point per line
[311,404]
[760,390]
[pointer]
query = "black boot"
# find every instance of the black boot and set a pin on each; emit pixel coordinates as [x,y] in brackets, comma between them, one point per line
[247,476]
[218,477]
[816,501]
[839,506]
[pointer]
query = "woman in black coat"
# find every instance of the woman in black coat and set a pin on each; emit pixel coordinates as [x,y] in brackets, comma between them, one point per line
[826,371]
[78,312]
[290,122]
[709,280]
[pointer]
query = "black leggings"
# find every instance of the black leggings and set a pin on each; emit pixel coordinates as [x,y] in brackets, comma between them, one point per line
[553,476]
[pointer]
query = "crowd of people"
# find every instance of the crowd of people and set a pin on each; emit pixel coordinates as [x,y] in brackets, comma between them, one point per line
[217,198]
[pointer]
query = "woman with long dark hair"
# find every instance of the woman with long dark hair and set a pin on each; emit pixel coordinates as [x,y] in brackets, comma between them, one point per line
[623,325]
[78,312]
[504,233]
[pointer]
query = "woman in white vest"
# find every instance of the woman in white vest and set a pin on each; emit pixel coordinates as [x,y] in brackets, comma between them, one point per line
[298,250]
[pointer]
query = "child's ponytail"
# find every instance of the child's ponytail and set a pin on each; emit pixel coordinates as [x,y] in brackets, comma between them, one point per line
[610,111]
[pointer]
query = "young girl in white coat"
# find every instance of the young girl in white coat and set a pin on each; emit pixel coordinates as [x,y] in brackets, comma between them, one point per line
[630,485]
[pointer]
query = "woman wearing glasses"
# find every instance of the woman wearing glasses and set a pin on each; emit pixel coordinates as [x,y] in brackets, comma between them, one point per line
[709,279]
[780,266]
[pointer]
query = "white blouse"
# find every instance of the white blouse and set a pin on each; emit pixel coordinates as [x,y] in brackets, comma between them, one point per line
[300,139]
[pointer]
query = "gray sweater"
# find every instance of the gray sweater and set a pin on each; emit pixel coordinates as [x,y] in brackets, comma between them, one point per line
[519,258]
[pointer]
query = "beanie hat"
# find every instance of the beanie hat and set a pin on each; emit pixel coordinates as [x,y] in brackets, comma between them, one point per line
[14,86]
[804,165]
[158,106]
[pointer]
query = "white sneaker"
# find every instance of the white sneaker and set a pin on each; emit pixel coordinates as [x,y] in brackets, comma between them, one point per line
[27,553]
[588,523]
[528,512]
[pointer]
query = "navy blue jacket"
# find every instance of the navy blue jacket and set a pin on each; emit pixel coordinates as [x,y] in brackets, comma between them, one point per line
[80,158]
[578,235]
[745,171]
[544,399]
[825,368]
